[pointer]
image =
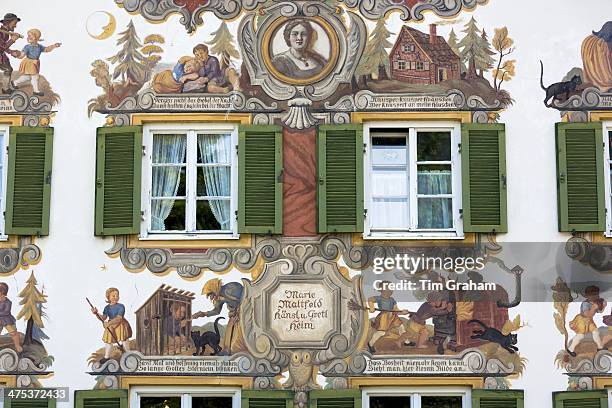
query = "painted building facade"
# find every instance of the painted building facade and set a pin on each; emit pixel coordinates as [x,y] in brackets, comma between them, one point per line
[307,203]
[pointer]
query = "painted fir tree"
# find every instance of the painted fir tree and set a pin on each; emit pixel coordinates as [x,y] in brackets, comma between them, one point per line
[453,42]
[475,50]
[375,57]
[487,61]
[31,301]
[223,46]
[132,65]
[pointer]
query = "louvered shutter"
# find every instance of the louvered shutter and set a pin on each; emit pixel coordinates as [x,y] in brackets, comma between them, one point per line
[581,399]
[335,399]
[580,177]
[340,187]
[260,166]
[28,192]
[29,403]
[267,399]
[101,399]
[497,399]
[118,178]
[483,168]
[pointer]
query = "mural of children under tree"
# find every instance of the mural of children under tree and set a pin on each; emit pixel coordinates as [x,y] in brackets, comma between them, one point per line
[229,294]
[117,330]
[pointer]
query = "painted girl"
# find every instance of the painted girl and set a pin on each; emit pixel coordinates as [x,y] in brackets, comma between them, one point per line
[30,66]
[7,320]
[117,330]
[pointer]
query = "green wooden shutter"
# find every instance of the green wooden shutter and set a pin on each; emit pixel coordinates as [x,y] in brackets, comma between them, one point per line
[340,187]
[30,403]
[28,193]
[580,399]
[266,399]
[118,178]
[483,168]
[335,399]
[580,177]
[101,399]
[260,186]
[497,399]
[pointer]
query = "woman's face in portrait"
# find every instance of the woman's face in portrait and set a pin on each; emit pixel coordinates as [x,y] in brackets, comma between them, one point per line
[298,37]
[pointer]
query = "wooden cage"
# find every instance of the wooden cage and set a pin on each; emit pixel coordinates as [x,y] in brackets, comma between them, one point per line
[163,322]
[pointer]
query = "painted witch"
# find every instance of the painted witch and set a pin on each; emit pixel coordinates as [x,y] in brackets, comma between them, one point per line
[597,58]
[229,294]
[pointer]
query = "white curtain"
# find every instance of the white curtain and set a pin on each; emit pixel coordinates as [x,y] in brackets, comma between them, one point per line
[435,213]
[217,149]
[166,179]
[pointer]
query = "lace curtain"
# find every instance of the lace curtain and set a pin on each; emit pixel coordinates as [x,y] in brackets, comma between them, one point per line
[217,149]
[167,149]
[435,213]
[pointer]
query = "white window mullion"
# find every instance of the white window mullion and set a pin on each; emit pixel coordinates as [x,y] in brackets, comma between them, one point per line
[191,182]
[416,401]
[186,401]
[412,178]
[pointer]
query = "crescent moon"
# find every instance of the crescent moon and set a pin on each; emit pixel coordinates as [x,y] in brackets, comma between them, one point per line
[107,30]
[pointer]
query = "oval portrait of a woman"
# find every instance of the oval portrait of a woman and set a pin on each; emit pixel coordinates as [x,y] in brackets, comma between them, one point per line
[301,49]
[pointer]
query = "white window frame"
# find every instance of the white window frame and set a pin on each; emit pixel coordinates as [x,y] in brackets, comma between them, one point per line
[412,233]
[147,174]
[415,394]
[5,131]
[609,390]
[186,394]
[607,127]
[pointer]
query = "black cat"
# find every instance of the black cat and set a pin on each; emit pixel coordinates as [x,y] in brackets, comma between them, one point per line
[208,338]
[557,89]
[495,336]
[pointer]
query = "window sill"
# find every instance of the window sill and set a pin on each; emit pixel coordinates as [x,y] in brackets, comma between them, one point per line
[4,238]
[393,236]
[188,237]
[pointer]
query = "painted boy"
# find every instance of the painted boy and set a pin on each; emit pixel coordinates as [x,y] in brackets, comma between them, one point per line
[583,323]
[117,330]
[388,317]
[7,39]
[7,320]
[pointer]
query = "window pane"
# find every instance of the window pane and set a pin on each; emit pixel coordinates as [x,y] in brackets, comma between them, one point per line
[214,181]
[441,402]
[168,215]
[389,213]
[434,179]
[388,150]
[214,149]
[433,146]
[211,402]
[169,148]
[435,213]
[390,402]
[213,215]
[169,181]
[389,183]
[160,402]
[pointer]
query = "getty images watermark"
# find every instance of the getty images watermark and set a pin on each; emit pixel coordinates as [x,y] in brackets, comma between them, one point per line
[409,266]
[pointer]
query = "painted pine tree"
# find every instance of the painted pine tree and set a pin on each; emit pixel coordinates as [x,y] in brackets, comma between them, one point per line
[453,41]
[223,46]
[486,63]
[132,65]
[376,57]
[474,50]
[31,302]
